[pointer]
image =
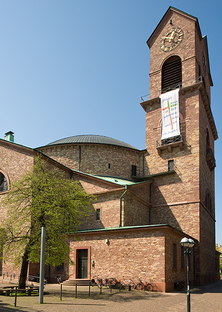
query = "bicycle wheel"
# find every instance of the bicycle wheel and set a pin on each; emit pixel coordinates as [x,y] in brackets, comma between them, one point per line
[149,287]
[132,285]
[100,283]
[139,286]
[118,285]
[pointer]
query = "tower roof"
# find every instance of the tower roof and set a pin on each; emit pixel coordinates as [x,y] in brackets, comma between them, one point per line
[168,12]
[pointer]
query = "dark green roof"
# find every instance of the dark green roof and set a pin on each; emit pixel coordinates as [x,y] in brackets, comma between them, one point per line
[91,139]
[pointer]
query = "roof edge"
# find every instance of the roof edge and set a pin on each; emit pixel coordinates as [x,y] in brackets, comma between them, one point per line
[175,10]
[130,228]
[19,146]
[91,139]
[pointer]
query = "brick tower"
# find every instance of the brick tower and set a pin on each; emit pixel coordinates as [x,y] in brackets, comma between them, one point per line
[182,163]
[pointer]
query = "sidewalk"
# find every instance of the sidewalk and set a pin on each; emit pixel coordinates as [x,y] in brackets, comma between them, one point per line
[205,298]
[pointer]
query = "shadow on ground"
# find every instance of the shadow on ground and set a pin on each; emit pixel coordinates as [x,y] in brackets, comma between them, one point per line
[211,288]
[129,296]
[7,308]
[115,296]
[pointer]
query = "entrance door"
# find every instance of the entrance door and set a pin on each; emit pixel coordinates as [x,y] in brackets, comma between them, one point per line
[82,258]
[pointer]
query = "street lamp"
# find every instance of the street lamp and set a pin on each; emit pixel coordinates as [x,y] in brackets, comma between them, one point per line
[187,243]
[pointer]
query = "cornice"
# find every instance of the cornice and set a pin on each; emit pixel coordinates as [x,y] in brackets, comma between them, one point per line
[199,86]
[18,147]
[207,107]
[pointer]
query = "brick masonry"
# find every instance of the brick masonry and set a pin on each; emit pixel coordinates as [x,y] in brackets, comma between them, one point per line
[144,220]
[130,254]
[99,159]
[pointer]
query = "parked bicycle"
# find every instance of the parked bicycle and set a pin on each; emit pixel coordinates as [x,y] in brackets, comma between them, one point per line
[144,285]
[97,281]
[113,283]
[140,285]
[106,282]
[179,285]
[128,284]
[148,286]
[59,279]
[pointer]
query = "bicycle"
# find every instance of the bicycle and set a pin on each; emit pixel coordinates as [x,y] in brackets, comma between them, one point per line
[128,283]
[144,286]
[179,285]
[140,285]
[114,283]
[96,281]
[148,286]
[59,279]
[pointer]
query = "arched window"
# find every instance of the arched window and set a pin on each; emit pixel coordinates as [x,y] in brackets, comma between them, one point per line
[208,203]
[3,183]
[171,74]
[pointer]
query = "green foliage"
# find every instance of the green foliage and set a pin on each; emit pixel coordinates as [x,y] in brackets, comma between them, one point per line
[218,248]
[47,197]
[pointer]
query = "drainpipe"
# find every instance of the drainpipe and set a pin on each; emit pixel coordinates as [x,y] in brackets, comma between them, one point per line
[143,163]
[150,203]
[80,154]
[121,197]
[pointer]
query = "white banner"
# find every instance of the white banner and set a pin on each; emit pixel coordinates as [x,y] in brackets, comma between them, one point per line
[170,114]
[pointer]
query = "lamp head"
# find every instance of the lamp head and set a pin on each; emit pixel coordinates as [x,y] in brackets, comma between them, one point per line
[187,242]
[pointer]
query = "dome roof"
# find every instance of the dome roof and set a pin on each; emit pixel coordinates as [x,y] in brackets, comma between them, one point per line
[91,139]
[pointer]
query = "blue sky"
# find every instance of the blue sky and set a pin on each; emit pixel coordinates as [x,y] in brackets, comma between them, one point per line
[74,67]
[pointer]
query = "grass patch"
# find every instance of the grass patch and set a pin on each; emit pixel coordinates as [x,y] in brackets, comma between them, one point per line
[19,294]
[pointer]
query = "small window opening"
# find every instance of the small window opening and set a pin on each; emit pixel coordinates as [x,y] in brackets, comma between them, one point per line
[60,268]
[134,170]
[170,165]
[3,183]
[109,165]
[97,214]
[208,203]
[182,257]
[174,256]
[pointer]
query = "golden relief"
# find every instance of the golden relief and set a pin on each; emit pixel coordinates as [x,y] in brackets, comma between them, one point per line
[171,39]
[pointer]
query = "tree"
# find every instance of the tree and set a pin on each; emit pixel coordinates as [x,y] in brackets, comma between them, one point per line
[43,197]
[219,248]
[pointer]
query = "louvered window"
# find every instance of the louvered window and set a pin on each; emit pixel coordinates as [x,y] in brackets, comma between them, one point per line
[171,74]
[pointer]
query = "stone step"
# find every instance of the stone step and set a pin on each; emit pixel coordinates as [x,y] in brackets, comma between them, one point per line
[79,282]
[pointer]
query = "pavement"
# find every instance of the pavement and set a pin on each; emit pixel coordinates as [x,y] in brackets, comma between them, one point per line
[203,299]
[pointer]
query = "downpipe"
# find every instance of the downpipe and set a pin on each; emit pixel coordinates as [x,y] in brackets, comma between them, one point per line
[121,198]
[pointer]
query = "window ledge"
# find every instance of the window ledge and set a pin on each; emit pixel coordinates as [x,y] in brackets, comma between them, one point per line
[173,142]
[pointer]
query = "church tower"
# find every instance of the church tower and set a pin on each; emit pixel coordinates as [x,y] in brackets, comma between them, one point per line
[180,135]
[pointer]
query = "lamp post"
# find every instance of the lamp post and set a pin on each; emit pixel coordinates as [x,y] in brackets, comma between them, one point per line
[187,243]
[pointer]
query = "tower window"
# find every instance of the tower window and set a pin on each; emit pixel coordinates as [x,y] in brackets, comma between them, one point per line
[109,165]
[170,165]
[97,214]
[171,74]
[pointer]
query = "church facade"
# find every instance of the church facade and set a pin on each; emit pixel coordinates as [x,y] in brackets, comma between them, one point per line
[148,200]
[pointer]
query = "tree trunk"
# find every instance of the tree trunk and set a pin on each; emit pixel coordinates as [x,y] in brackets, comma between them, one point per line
[24,269]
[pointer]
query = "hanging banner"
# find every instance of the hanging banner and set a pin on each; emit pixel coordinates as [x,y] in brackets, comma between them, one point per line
[170,114]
